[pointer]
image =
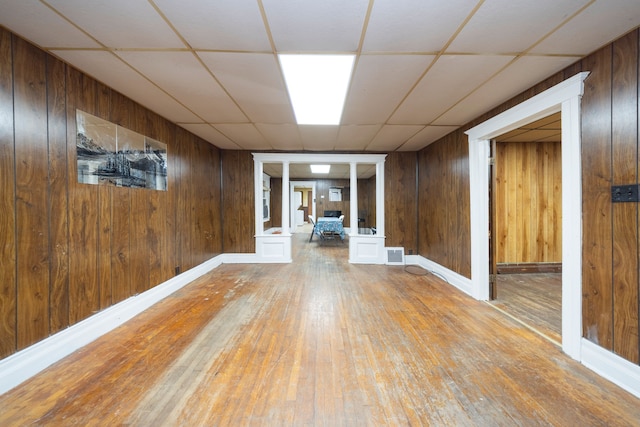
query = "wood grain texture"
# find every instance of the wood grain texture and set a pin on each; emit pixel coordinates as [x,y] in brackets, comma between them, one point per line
[58,202]
[529,202]
[443,203]
[238,202]
[120,111]
[31,182]
[276,202]
[68,249]
[401,222]
[322,197]
[624,122]
[597,249]
[105,214]
[84,295]
[534,299]
[319,342]
[8,295]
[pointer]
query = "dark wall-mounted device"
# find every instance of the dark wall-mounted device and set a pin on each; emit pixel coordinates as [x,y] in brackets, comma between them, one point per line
[625,193]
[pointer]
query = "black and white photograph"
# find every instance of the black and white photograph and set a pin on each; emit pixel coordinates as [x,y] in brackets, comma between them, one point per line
[109,154]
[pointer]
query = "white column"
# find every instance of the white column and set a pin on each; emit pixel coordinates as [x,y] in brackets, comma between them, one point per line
[353,205]
[285,198]
[380,198]
[258,170]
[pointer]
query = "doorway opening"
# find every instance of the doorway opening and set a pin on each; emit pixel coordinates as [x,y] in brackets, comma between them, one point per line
[303,198]
[565,98]
[526,227]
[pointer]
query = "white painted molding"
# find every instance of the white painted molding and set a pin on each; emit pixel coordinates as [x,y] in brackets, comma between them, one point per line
[24,364]
[564,97]
[453,278]
[367,249]
[612,367]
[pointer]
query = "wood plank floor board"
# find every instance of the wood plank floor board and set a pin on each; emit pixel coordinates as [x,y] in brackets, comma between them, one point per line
[319,342]
[533,298]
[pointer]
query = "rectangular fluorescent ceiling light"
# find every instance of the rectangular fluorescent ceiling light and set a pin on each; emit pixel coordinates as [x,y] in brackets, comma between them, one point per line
[317,86]
[320,168]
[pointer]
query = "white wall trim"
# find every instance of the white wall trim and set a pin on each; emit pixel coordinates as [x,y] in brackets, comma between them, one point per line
[612,367]
[26,363]
[564,97]
[453,278]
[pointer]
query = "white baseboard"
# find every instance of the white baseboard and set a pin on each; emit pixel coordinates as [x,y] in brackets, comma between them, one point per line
[453,278]
[612,367]
[240,259]
[24,364]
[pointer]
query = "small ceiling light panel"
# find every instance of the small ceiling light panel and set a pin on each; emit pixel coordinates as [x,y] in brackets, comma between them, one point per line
[317,86]
[320,168]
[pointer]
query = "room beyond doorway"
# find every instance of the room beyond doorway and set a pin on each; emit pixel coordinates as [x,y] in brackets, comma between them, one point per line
[526,201]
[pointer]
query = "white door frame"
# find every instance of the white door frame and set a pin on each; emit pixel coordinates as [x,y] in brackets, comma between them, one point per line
[312,203]
[564,97]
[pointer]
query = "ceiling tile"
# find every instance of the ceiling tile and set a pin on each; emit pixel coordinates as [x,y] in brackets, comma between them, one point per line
[281,137]
[182,76]
[311,26]
[245,135]
[414,25]
[448,81]
[120,23]
[594,26]
[519,76]
[391,137]
[426,136]
[355,137]
[210,134]
[379,84]
[218,25]
[254,81]
[52,30]
[318,138]
[110,70]
[520,25]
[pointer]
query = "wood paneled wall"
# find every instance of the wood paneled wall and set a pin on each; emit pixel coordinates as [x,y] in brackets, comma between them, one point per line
[610,231]
[444,203]
[238,202]
[276,203]
[610,253]
[401,208]
[528,202]
[367,202]
[69,250]
[322,197]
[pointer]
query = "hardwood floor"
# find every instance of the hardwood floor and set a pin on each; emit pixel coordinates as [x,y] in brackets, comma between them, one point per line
[534,299]
[319,342]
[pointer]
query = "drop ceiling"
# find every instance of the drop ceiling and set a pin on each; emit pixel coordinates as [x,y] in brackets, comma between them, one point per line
[423,67]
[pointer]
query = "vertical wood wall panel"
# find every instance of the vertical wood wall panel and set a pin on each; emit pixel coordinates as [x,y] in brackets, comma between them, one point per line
[120,109]
[443,203]
[140,220]
[596,200]
[8,295]
[529,202]
[625,215]
[400,201]
[105,204]
[58,201]
[31,153]
[161,265]
[238,202]
[84,295]
[276,202]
